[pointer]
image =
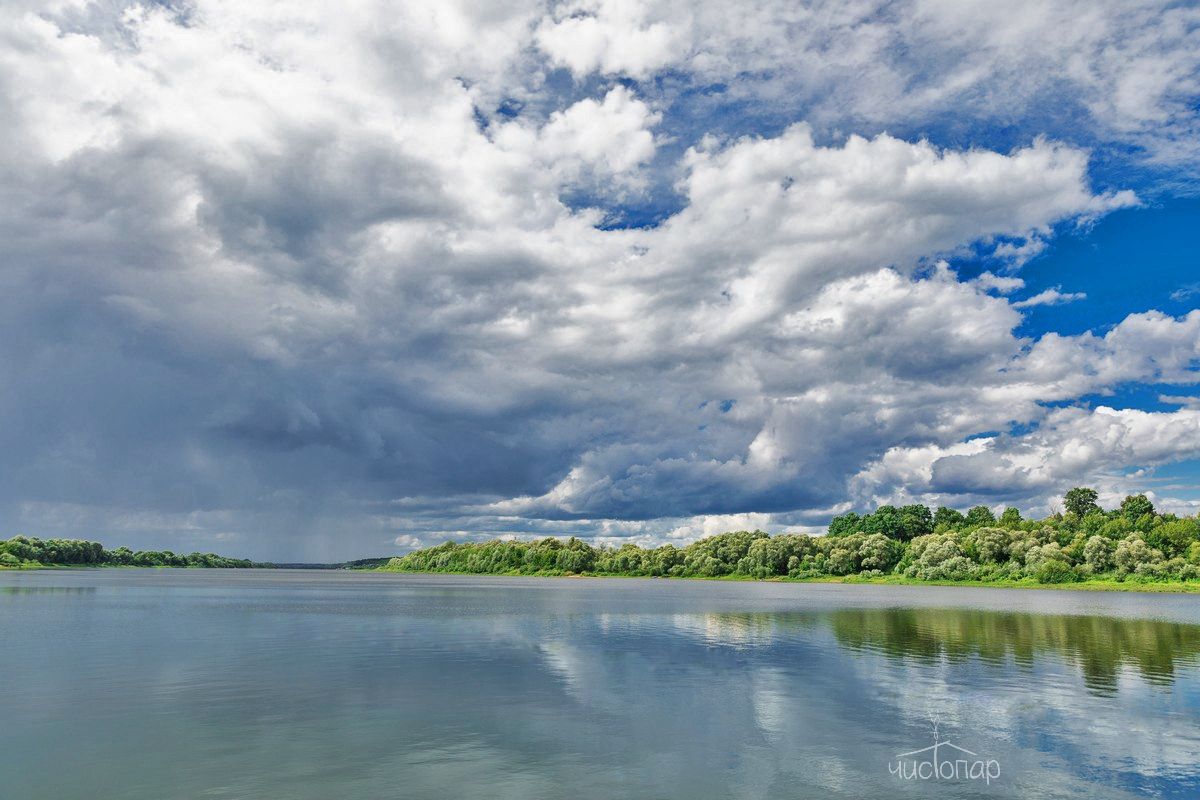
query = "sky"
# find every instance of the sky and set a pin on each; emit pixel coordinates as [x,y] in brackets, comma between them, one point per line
[311,281]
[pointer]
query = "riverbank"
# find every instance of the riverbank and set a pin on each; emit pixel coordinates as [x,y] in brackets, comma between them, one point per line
[1105,585]
[1102,585]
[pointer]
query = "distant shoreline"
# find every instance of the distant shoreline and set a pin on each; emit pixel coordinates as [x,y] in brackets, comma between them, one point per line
[347,566]
[29,552]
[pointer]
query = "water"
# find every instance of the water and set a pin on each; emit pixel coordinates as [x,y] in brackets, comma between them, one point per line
[336,686]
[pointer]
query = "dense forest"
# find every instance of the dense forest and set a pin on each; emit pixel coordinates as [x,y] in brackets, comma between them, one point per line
[1083,543]
[26,551]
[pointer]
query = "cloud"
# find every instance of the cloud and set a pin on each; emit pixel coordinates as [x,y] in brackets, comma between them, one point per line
[1070,446]
[607,138]
[407,541]
[1125,72]
[1066,446]
[1050,297]
[1019,253]
[1151,347]
[1185,293]
[609,36]
[287,273]
[1003,284]
[1179,400]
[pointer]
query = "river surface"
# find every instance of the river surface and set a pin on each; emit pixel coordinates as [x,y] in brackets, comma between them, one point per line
[308,685]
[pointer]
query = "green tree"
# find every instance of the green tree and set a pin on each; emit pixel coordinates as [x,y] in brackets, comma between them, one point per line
[577,557]
[1011,518]
[1173,537]
[886,520]
[1135,506]
[980,515]
[664,559]
[946,517]
[845,524]
[916,520]
[1081,501]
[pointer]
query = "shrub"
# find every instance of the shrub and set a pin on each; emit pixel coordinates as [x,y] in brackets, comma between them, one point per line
[767,557]
[937,556]
[1039,555]
[1133,552]
[843,560]
[1020,543]
[1174,568]
[1054,571]
[988,545]
[1155,569]
[878,553]
[1098,554]
[955,568]
[1073,549]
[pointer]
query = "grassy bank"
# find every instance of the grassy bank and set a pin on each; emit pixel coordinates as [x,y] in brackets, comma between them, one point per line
[1111,584]
[1107,584]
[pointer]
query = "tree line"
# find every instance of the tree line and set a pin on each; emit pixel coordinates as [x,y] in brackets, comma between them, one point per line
[1130,543]
[28,551]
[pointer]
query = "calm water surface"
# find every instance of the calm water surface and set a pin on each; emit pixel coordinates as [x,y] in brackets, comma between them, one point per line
[335,686]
